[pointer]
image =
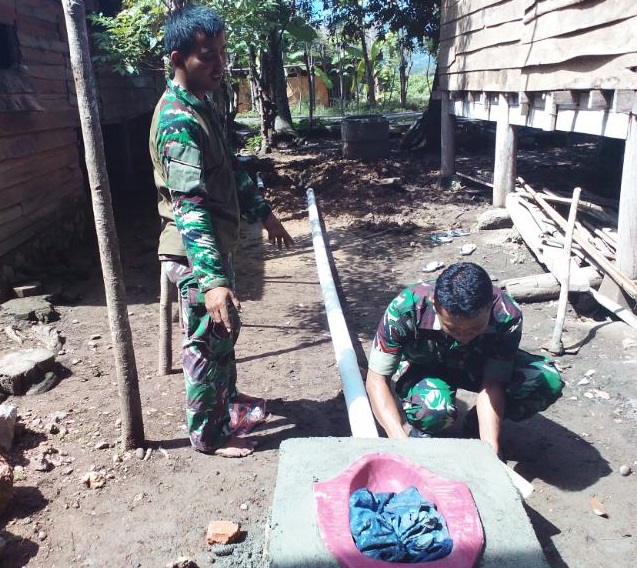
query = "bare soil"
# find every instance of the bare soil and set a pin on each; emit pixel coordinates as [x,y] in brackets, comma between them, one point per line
[152,511]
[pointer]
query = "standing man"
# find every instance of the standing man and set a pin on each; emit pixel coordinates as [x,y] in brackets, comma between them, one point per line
[200,207]
[460,331]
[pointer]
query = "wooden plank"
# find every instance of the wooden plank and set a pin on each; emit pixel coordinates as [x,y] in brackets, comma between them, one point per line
[47,11]
[31,55]
[57,103]
[41,43]
[33,143]
[19,102]
[16,172]
[12,124]
[34,207]
[7,13]
[40,28]
[577,18]
[15,82]
[506,12]
[497,35]
[536,9]
[619,39]
[58,86]
[456,11]
[8,214]
[40,183]
[587,73]
[532,227]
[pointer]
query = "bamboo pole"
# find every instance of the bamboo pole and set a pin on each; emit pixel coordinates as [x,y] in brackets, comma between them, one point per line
[621,279]
[556,346]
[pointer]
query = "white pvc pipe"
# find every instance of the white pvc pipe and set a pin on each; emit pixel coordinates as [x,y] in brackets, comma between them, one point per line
[360,415]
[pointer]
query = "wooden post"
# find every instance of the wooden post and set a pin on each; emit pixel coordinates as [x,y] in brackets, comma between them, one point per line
[165,323]
[627,219]
[556,346]
[121,336]
[447,143]
[506,149]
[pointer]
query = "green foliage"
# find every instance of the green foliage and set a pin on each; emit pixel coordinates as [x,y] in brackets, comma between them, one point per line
[131,41]
[254,143]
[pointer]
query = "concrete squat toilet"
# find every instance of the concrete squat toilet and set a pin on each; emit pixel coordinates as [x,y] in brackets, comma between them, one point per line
[385,472]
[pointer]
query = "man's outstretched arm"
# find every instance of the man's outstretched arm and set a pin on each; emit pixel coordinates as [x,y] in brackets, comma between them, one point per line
[384,405]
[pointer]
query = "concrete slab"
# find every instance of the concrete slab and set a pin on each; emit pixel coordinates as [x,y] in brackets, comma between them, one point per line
[295,541]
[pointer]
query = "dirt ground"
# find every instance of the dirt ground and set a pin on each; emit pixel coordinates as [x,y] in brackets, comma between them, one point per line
[152,511]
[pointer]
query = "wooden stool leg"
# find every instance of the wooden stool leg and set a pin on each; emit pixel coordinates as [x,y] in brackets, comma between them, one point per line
[165,324]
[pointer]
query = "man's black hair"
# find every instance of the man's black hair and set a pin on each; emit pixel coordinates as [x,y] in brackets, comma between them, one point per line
[183,25]
[464,289]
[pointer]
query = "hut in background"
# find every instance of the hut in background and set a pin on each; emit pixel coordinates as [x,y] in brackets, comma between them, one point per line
[43,201]
[566,65]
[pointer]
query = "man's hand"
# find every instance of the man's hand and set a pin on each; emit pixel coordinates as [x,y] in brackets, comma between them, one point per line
[217,305]
[276,232]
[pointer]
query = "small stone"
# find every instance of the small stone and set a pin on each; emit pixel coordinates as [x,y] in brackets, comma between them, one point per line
[95,336]
[94,479]
[102,446]
[583,382]
[590,372]
[243,506]
[625,470]
[222,532]
[140,453]
[149,452]
[42,535]
[58,416]
[52,428]
[42,464]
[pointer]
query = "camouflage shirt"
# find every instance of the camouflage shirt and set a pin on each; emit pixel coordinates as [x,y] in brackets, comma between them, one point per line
[410,335]
[199,201]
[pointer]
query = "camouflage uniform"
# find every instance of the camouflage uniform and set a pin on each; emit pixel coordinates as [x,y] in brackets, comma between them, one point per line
[430,365]
[200,205]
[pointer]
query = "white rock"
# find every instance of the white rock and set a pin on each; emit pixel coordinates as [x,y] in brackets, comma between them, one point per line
[8,417]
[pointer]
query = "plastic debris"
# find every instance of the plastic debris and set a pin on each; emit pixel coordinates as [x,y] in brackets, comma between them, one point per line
[467,249]
[433,266]
[598,507]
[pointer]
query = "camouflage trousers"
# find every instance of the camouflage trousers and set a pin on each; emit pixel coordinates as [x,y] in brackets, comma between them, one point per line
[429,398]
[208,359]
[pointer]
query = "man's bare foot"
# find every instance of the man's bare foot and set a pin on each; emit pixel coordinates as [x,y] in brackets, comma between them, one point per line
[236,447]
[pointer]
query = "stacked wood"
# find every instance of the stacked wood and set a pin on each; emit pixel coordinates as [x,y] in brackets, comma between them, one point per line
[539,224]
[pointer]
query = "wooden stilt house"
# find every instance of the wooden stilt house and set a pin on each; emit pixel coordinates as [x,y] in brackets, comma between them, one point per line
[566,65]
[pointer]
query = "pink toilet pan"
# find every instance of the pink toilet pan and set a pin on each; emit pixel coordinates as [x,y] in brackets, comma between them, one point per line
[390,472]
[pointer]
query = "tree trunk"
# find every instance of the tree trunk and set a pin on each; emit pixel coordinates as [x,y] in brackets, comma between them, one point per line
[126,369]
[369,71]
[402,69]
[267,108]
[283,120]
[309,67]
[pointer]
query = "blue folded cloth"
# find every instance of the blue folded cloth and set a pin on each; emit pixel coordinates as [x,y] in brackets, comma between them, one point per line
[398,527]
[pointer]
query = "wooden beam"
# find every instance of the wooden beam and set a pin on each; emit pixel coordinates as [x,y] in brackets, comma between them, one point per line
[526,102]
[550,108]
[626,283]
[624,101]
[599,100]
[627,220]
[448,143]
[506,146]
